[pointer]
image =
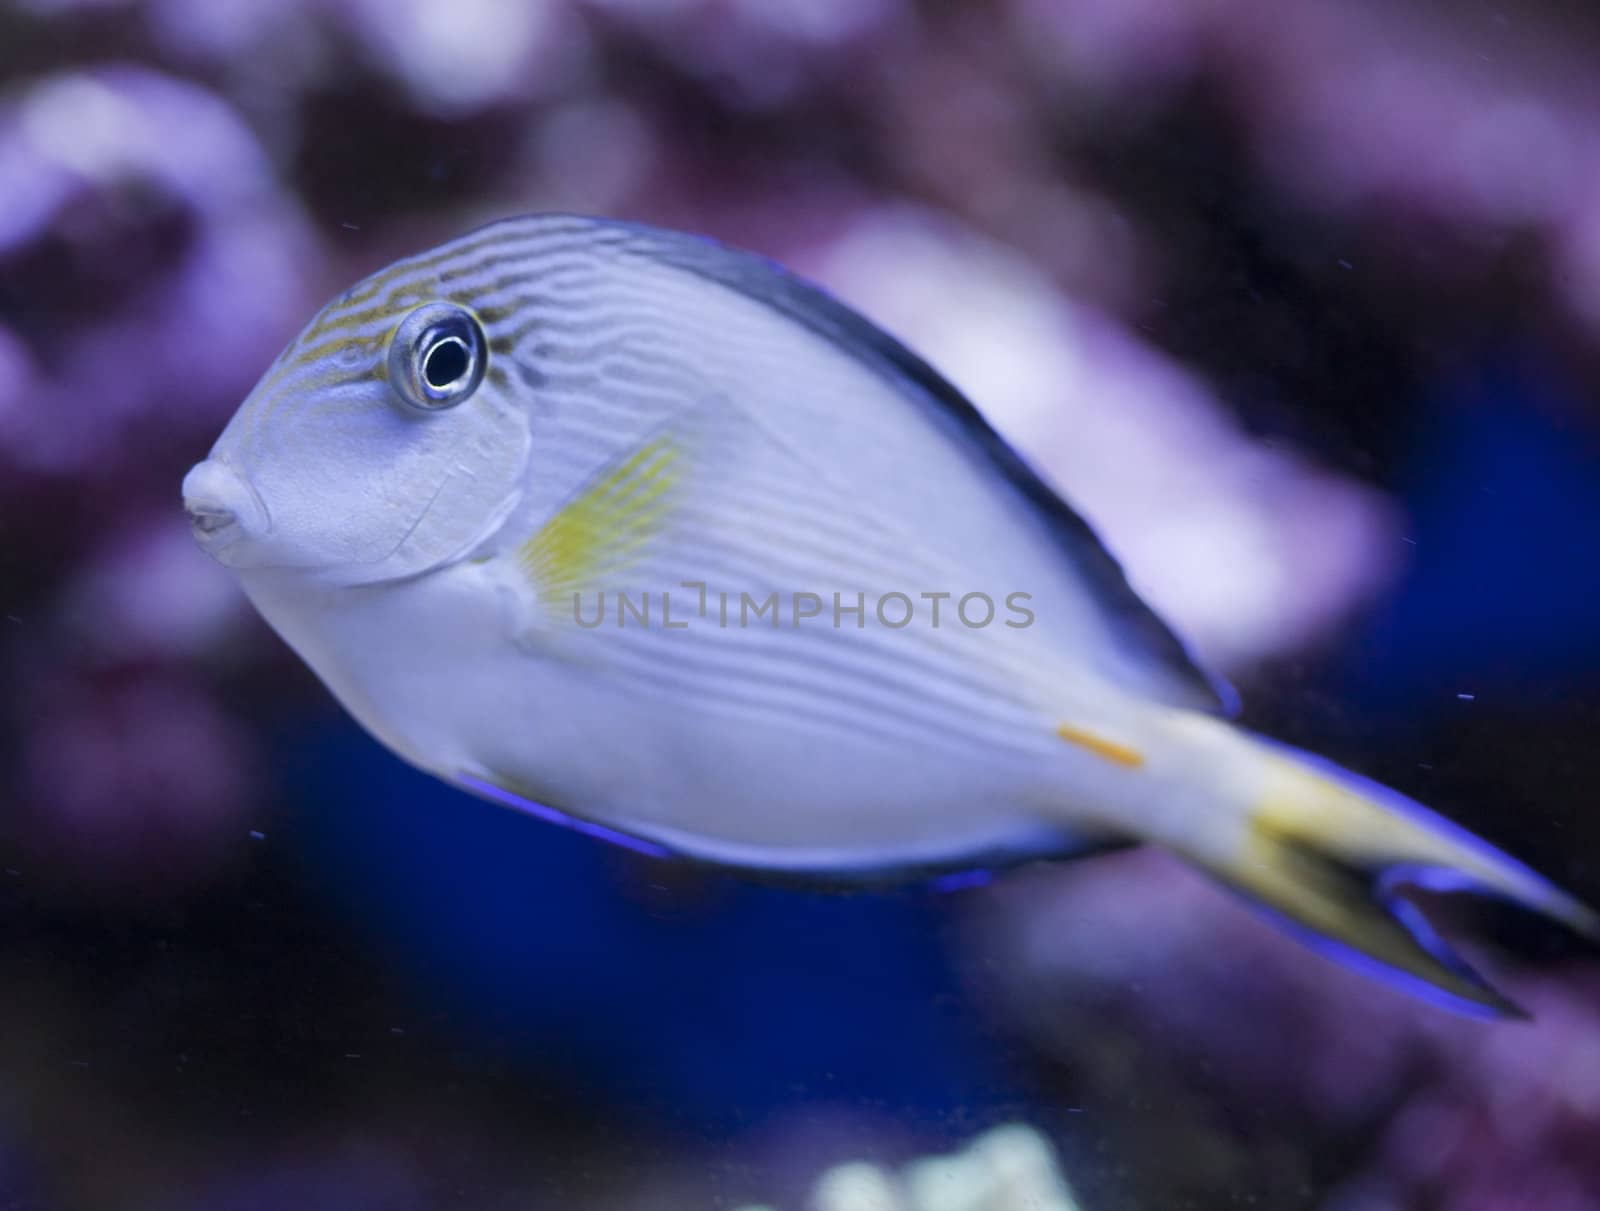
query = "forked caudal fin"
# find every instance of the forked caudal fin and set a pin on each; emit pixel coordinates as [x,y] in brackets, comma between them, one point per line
[1328,851]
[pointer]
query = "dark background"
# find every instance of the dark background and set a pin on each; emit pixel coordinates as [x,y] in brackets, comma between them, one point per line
[1300,302]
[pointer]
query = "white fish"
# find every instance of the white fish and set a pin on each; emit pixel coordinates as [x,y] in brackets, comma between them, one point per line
[583,515]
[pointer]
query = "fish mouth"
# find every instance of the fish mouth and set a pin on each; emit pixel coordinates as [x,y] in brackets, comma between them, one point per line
[208,522]
[223,506]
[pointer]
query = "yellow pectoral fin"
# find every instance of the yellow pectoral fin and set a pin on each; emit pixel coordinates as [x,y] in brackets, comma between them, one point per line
[600,532]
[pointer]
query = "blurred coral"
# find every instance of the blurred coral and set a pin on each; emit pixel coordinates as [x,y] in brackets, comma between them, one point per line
[1186,990]
[146,279]
[1007,1169]
[1218,268]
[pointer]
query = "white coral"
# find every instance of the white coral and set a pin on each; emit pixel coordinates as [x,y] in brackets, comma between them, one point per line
[1010,1168]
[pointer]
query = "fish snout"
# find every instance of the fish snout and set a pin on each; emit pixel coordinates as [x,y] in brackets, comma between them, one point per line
[221,504]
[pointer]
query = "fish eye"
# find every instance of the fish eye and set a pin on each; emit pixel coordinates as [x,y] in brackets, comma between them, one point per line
[437,357]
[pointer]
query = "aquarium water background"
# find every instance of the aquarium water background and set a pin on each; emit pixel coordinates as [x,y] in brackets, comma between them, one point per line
[1298,302]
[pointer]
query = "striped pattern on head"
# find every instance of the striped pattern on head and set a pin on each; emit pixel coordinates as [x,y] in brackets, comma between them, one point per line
[345,472]
[499,273]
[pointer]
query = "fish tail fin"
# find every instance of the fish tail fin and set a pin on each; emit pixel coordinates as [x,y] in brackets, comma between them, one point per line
[1329,852]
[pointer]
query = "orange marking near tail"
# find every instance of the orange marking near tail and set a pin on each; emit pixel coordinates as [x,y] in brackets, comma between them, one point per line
[1120,754]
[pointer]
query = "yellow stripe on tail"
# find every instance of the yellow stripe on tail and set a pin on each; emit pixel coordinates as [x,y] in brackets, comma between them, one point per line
[1328,851]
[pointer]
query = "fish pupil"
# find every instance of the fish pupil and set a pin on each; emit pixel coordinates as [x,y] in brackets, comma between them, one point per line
[437,357]
[446,363]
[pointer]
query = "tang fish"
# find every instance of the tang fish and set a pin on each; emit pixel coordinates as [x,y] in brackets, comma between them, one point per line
[632,529]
